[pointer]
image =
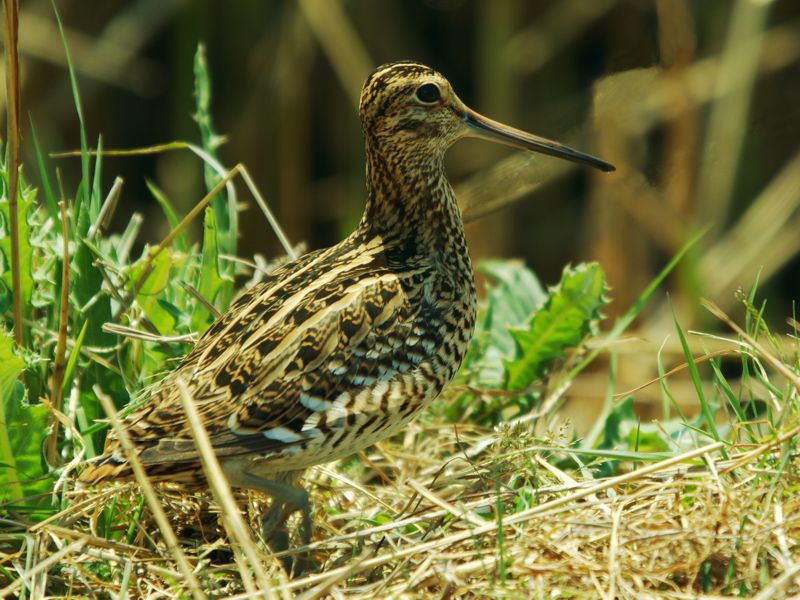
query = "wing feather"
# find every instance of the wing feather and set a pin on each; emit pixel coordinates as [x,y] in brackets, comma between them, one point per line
[272,384]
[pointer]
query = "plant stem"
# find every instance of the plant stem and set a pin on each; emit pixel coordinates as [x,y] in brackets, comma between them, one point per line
[59,364]
[12,95]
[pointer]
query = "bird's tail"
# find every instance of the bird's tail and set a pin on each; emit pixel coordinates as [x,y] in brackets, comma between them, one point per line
[108,467]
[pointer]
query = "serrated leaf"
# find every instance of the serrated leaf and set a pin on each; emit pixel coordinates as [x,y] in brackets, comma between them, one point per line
[224,210]
[561,323]
[202,96]
[24,202]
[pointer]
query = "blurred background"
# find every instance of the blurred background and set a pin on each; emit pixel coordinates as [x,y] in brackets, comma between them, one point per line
[696,103]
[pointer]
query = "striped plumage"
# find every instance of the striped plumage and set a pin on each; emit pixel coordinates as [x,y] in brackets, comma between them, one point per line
[343,346]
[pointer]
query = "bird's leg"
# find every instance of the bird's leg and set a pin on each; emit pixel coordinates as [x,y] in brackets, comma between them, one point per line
[286,500]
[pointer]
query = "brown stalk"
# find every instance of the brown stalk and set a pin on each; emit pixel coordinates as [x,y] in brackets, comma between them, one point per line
[59,362]
[12,94]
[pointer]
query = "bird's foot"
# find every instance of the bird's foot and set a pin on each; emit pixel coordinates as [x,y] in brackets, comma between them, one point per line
[286,500]
[276,534]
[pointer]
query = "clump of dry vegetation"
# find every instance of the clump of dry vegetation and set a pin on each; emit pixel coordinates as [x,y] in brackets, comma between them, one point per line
[453,511]
[494,491]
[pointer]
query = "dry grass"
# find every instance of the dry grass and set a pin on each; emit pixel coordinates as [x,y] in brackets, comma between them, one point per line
[693,524]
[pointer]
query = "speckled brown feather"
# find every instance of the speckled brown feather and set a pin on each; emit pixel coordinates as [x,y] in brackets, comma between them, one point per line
[343,346]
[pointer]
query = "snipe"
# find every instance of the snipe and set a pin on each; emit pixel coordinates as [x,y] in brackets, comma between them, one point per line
[343,346]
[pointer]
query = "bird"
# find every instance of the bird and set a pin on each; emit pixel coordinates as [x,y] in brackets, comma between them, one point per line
[343,346]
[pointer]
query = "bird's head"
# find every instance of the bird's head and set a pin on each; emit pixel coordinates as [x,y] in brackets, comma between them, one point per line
[409,108]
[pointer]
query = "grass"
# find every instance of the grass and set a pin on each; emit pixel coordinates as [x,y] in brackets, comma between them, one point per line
[491,493]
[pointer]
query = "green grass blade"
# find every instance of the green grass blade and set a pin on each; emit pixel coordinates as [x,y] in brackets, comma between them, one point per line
[732,399]
[95,200]
[44,177]
[83,198]
[73,359]
[225,210]
[708,414]
[169,212]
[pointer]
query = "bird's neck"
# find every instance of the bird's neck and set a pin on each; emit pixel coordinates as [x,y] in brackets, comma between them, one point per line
[410,199]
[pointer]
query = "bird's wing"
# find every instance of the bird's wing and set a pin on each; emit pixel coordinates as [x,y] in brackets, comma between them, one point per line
[288,362]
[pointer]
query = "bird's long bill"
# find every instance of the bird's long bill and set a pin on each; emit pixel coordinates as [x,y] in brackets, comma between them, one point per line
[488,129]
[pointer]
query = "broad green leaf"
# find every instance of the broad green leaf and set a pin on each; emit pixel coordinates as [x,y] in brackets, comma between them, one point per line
[153,287]
[568,315]
[513,294]
[23,428]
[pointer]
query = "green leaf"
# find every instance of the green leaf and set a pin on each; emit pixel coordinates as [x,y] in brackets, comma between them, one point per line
[153,287]
[622,323]
[6,299]
[707,411]
[620,414]
[567,316]
[95,196]
[73,359]
[22,431]
[24,202]
[511,298]
[87,286]
[211,283]
[202,116]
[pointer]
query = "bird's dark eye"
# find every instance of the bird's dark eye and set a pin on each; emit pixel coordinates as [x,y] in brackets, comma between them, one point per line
[428,93]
